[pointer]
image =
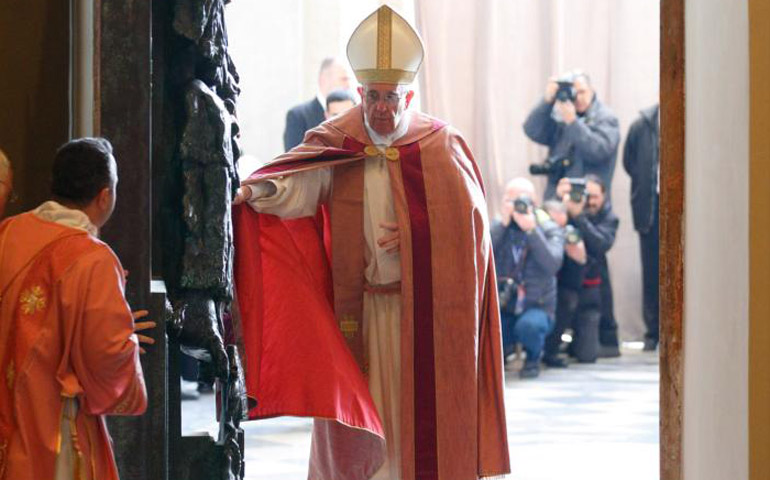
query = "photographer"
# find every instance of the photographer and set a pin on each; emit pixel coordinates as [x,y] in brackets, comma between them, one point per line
[528,248]
[581,133]
[582,277]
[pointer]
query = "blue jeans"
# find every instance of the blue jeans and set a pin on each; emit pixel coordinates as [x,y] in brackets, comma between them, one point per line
[530,329]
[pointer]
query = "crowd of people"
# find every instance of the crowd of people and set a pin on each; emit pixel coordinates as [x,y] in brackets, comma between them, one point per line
[551,255]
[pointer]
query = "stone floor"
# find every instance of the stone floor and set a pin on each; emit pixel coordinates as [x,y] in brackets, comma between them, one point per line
[592,422]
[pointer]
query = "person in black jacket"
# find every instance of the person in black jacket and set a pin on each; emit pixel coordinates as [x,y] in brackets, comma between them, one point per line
[528,248]
[641,161]
[583,131]
[580,279]
[301,118]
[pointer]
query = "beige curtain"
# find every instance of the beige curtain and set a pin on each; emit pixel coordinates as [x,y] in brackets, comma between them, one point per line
[486,67]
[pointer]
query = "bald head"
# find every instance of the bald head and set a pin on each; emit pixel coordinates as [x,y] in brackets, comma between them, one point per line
[6,181]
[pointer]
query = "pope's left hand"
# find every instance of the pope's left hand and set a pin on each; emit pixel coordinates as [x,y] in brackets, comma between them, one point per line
[391,241]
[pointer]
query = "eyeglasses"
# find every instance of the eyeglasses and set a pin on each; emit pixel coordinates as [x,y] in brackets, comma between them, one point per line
[391,98]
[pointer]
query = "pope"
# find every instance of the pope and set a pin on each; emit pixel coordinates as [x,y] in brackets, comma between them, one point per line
[366,284]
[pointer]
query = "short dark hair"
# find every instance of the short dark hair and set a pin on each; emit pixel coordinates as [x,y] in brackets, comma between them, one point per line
[81,169]
[591,177]
[339,96]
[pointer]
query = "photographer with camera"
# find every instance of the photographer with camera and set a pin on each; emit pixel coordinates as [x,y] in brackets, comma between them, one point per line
[591,231]
[581,133]
[528,248]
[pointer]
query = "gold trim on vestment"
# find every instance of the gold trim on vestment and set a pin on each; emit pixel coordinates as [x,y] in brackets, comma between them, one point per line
[371,151]
[384,38]
[390,75]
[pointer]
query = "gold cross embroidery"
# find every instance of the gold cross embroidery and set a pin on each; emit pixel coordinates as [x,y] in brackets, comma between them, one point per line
[348,326]
[33,300]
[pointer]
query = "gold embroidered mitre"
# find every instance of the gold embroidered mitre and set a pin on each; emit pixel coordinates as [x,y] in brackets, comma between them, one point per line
[384,48]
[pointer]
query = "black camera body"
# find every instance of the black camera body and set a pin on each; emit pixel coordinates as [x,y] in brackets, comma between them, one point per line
[522,204]
[566,91]
[554,166]
[572,235]
[507,292]
[577,191]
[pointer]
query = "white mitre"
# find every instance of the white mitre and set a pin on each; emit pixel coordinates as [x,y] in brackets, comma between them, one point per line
[384,48]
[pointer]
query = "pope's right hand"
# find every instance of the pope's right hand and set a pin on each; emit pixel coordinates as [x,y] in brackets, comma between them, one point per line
[243,194]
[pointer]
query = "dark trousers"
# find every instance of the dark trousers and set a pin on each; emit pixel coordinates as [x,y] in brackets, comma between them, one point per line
[530,329]
[580,310]
[608,327]
[566,304]
[649,244]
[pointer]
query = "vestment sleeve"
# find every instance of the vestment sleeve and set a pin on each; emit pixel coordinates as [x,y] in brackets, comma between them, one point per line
[104,349]
[297,195]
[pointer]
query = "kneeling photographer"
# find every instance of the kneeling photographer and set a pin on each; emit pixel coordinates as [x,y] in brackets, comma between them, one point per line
[528,249]
[581,133]
[590,232]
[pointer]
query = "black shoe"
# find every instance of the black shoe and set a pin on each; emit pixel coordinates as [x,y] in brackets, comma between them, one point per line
[555,361]
[530,369]
[650,345]
[609,351]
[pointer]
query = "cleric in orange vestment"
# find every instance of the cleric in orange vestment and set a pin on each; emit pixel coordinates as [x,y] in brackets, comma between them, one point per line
[68,351]
[366,284]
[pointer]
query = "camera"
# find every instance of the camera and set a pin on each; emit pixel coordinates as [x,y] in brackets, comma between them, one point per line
[577,189]
[522,204]
[507,293]
[566,91]
[572,235]
[551,166]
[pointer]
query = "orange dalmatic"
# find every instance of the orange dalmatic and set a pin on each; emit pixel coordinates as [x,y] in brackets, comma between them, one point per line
[65,333]
[29,313]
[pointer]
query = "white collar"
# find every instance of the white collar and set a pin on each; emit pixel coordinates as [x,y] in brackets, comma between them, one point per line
[388,140]
[321,99]
[51,211]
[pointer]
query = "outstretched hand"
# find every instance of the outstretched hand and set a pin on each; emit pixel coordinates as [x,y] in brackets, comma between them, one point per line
[141,326]
[243,194]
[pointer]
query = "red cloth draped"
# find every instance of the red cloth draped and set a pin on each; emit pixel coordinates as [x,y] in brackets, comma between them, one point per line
[298,363]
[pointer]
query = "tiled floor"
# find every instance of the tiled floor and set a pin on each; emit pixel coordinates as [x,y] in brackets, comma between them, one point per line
[592,422]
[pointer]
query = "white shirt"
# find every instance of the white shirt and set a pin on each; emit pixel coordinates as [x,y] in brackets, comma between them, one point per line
[55,212]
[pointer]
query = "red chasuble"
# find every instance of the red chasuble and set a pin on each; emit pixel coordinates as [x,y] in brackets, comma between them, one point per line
[300,292]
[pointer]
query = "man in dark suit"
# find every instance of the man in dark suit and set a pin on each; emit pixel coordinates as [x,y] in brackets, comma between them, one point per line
[332,76]
[640,159]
